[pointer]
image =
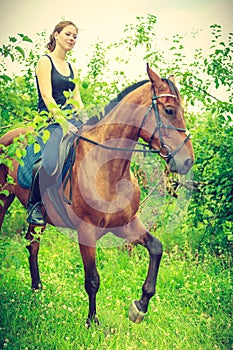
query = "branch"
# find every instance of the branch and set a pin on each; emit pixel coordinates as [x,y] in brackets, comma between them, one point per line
[6,126]
[189,185]
[198,89]
[15,114]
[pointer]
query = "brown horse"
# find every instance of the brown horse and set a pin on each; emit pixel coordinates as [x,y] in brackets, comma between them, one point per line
[105,195]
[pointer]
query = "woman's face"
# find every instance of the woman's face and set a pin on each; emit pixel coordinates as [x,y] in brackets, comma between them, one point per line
[67,37]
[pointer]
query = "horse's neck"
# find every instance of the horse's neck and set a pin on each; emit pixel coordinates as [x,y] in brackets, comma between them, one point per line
[122,123]
[119,129]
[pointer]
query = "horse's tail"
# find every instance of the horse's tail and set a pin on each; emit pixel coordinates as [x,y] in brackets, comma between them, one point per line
[5,141]
[3,181]
[6,198]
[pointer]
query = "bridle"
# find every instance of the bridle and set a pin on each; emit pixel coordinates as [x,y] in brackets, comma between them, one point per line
[164,150]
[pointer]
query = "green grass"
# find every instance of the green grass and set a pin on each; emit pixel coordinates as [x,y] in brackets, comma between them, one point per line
[191,310]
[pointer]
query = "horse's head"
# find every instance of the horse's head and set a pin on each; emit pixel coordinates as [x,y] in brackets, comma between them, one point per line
[163,126]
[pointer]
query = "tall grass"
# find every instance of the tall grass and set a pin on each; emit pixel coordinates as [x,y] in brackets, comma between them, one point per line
[191,310]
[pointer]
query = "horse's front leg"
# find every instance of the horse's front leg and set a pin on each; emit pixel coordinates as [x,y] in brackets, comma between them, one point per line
[33,248]
[139,307]
[92,280]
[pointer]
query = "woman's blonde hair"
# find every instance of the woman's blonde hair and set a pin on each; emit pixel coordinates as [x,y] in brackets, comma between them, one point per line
[58,28]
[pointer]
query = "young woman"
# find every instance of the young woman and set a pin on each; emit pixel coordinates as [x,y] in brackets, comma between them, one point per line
[54,75]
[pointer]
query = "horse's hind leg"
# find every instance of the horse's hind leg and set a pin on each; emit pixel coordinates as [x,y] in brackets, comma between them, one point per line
[33,248]
[5,202]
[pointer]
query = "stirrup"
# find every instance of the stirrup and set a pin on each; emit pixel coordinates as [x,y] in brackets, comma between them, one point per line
[35,216]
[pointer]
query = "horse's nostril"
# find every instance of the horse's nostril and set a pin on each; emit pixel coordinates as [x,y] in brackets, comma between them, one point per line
[188,163]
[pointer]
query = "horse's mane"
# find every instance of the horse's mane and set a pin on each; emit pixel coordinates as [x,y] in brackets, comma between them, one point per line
[114,101]
[121,95]
[133,87]
[125,92]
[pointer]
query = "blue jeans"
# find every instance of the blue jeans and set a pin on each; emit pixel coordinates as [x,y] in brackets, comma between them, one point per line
[50,150]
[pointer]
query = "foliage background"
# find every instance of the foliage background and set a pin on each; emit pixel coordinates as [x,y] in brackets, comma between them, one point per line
[192,216]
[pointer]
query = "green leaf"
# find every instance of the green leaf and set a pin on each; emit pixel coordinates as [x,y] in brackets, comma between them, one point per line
[64,124]
[12,57]
[5,192]
[12,39]
[73,102]
[85,84]
[38,119]
[18,153]
[54,106]
[11,150]
[37,230]
[10,180]
[20,50]
[36,147]
[25,38]
[5,77]
[45,136]
[66,94]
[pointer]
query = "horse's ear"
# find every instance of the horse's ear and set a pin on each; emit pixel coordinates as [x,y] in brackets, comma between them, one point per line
[172,79]
[155,79]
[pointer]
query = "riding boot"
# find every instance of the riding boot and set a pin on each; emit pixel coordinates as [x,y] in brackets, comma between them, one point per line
[35,215]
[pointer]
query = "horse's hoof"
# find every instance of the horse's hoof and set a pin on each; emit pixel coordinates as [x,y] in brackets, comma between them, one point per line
[37,287]
[89,322]
[135,315]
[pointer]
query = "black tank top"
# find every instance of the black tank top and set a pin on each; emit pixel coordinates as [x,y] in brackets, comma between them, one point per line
[60,83]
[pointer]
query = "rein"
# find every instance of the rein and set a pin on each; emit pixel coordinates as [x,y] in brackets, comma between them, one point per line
[118,148]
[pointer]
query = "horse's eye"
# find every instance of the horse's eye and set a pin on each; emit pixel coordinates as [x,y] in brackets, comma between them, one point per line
[170,111]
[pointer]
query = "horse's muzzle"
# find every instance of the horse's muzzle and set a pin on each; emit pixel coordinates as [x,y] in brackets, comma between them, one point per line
[181,168]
